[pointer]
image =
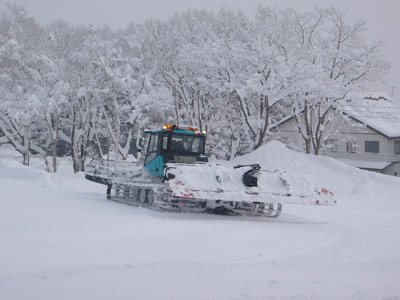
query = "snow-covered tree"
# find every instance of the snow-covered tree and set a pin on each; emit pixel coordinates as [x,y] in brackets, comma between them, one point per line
[21,38]
[85,91]
[336,62]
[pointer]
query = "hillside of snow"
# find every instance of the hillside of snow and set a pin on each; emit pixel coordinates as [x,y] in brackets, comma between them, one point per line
[61,239]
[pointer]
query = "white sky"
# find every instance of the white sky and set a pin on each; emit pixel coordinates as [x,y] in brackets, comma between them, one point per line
[382,17]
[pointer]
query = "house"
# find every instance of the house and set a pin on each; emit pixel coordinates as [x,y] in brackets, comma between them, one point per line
[370,141]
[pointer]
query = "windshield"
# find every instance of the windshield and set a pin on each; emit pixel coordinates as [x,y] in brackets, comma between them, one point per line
[181,143]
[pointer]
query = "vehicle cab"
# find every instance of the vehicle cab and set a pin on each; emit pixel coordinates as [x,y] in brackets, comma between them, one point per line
[174,144]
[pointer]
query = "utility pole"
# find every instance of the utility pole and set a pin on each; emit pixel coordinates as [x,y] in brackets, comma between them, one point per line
[393,87]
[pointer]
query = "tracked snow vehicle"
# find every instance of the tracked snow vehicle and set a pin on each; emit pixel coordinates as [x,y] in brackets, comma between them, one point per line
[177,176]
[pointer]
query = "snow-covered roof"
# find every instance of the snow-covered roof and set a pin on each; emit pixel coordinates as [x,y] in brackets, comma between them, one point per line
[376,96]
[365,164]
[376,111]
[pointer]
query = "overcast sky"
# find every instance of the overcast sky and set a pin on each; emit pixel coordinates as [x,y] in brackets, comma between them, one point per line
[383,17]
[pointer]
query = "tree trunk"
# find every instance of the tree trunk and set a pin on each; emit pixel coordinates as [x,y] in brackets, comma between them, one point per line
[55,156]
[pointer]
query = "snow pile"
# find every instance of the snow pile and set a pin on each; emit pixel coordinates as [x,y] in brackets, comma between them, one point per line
[13,173]
[335,176]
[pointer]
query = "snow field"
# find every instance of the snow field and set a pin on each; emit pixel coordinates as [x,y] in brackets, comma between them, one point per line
[61,239]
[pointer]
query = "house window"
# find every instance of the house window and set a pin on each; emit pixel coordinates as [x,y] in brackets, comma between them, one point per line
[372,146]
[396,147]
[351,147]
[332,145]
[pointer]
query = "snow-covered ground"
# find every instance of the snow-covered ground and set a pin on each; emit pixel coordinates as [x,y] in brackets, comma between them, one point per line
[61,239]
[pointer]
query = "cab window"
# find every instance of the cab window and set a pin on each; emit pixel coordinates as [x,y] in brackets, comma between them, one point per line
[187,144]
[152,149]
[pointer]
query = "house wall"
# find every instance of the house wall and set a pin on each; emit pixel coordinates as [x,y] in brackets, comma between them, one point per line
[386,147]
[287,134]
[393,169]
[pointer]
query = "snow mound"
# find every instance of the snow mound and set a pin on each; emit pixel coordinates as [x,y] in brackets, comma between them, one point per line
[322,171]
[13,170]
[14,173]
